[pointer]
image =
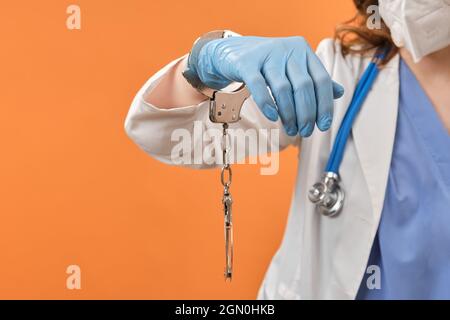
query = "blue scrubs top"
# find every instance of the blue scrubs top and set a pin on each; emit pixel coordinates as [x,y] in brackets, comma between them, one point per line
[412,246]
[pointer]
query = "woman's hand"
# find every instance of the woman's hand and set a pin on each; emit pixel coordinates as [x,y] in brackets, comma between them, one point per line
[302,88]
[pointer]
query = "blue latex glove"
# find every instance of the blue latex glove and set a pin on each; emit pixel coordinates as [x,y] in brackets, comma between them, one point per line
[302,88]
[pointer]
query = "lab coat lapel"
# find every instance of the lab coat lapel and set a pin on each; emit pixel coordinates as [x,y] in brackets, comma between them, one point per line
[374,133]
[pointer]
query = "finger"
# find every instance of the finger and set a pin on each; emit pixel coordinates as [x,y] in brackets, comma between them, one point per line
[304,96]
[323,87]
[258,88]
[282,92]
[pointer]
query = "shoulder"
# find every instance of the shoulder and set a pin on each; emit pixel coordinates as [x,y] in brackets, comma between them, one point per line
[330,53]
[328,48]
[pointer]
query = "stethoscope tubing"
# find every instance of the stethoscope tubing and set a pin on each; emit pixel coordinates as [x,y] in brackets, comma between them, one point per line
[362,90]
[327,194]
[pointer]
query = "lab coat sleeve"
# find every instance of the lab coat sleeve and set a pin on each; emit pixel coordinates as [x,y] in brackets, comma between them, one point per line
[185,136]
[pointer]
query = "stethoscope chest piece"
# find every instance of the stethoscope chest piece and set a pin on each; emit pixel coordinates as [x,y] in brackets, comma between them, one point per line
[327,195]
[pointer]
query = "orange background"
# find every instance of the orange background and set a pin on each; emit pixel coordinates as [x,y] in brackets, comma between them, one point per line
[75,190]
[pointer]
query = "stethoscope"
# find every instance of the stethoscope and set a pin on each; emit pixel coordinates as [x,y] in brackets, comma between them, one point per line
[327,194]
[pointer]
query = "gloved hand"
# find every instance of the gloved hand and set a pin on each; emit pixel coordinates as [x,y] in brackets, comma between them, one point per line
[302,88]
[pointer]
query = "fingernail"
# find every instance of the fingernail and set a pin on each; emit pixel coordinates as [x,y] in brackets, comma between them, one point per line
[270,112]
[292,131]
[325,122]
[306,130]
[338,90]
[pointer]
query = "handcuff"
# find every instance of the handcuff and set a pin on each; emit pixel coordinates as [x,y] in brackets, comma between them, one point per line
[224,108]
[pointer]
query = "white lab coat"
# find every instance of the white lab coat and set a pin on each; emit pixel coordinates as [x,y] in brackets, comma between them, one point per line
[320,257]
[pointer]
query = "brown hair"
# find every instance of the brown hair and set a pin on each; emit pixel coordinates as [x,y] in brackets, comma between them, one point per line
[357,38]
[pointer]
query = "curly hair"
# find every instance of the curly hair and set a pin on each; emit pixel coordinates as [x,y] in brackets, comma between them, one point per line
[357,38]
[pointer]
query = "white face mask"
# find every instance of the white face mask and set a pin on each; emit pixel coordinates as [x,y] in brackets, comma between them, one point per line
[420,26]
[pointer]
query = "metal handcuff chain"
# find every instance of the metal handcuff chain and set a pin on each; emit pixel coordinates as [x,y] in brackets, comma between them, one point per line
[224,108]
[226,177]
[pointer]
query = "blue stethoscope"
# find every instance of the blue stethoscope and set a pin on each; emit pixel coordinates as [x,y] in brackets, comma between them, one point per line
[327,194]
